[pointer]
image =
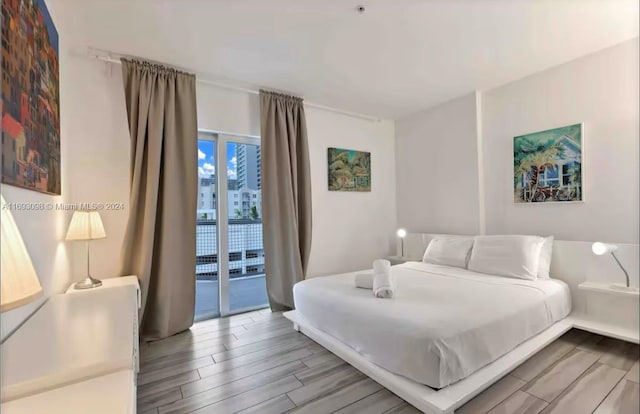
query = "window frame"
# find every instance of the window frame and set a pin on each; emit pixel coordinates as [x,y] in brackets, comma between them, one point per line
[220,140]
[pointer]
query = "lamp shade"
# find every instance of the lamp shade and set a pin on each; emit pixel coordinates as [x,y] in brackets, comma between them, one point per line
[599,248]
[19,282]
[401,233]
[85,225]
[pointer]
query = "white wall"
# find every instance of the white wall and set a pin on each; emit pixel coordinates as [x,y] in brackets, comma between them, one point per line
[600,90]
[455,161]
[350,229]
[228,111]
[97,157]
[437,169]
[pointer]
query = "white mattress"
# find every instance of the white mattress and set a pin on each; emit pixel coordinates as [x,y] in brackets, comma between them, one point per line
[443,323]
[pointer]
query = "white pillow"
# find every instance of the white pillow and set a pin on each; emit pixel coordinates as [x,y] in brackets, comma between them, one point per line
[448,251]
[427,237]
[510,256]
[544,266]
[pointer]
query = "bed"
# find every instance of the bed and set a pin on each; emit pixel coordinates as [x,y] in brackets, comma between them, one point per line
[443,324]
[572,264]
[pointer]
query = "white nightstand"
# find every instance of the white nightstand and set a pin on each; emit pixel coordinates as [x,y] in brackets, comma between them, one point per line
[113,282]
[608,289]
[609,311]
[70,339]
[396,260]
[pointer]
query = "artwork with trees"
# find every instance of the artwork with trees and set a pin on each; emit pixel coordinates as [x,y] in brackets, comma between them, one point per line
[547,166]
[349,170]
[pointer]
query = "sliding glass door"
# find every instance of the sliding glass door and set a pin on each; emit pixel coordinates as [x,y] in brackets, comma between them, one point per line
[244,220]
[207,269]
[230,263]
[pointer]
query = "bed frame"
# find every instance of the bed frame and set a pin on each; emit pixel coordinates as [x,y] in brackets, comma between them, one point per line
[571,260]
[426,399]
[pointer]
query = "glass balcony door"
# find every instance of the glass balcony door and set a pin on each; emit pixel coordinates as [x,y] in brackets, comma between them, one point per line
[230,264]
[207,254]
[247,289]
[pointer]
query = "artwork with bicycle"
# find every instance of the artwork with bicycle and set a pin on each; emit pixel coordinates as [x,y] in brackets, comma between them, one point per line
[547,166]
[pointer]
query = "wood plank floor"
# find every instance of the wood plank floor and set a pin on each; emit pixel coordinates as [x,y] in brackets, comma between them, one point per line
[256,363]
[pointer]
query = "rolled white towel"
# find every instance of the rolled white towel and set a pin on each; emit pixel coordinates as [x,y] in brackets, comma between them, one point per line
[383,285]
[381,266]
[383,281]
[364,280]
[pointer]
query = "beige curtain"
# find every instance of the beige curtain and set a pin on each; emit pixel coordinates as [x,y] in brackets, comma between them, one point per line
[160,241]
[286,195]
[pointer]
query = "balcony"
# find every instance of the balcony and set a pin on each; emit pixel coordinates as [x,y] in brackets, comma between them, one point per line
[244,293]
[246,267]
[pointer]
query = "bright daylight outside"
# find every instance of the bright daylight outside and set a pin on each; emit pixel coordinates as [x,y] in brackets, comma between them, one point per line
[244,216]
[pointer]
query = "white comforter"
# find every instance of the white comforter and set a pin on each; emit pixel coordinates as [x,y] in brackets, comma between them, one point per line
[443,323]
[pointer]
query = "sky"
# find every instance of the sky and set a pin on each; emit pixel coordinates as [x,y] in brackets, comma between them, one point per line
[207,159]
[53,33]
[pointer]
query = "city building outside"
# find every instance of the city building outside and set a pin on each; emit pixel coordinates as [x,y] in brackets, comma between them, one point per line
[245,247]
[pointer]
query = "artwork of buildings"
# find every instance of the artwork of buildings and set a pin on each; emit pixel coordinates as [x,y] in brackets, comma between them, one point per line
[30,97]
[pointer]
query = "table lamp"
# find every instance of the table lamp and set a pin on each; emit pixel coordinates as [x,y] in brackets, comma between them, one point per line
[402,233]
[19,282]
[86,226]
[600,249]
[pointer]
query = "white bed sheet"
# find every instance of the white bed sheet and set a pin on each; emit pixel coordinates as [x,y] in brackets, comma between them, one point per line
[443,323]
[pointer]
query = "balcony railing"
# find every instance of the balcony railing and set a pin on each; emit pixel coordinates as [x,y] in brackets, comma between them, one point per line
[246,252]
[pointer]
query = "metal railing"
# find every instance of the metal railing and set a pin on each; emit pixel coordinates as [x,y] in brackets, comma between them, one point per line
[246,251]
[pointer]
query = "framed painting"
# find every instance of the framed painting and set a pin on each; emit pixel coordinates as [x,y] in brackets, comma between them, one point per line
[349,170]
[547,166]
[30,97]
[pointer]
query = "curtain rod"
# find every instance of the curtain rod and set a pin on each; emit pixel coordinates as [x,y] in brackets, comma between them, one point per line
[111,57]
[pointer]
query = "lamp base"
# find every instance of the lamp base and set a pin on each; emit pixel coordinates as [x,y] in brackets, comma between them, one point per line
[624,288]
[88,283]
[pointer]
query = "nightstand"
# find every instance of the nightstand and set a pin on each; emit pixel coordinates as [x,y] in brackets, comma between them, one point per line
[113,282]
[609,311]
[72,339]
[607,289]
[126,282]
[396,260]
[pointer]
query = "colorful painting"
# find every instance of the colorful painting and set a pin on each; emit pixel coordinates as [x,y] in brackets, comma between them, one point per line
[30,97]
[547,166]
[349,170]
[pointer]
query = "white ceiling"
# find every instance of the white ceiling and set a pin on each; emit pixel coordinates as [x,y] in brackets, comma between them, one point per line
[400,57]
